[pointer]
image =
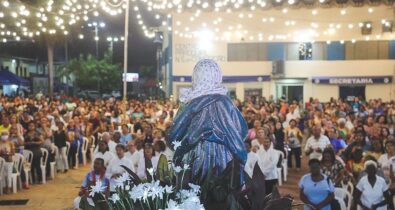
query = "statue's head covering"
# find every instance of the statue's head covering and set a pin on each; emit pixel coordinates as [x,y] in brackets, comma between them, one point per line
[206,80]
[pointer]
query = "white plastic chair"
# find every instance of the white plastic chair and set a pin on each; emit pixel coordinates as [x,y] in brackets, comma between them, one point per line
[92,147]
[349,187]
[85,144]
[280,180]
[67,148]
[285,165]
[342,203]
[2,162]
[28,165]
[76,155]
[279,169]
[18,160]
[342,194]
[53,163]
[43,164]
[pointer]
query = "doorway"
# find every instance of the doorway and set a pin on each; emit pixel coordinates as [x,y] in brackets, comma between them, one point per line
[290,92]
[350,92]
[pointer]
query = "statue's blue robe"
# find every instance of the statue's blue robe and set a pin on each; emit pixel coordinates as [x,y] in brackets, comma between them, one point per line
[212,132]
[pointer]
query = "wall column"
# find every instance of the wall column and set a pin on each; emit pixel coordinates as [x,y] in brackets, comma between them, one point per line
[266,89]
[240,91]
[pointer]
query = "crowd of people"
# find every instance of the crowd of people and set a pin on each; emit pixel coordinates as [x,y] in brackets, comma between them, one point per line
[345,142]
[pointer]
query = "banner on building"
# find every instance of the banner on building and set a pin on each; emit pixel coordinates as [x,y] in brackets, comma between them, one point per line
[353,80]
[229,79]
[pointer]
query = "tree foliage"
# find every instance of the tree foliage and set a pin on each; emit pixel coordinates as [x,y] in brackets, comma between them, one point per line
[91,73]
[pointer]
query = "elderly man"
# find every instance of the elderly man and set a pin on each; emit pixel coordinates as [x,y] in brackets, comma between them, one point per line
[133,154]
[114,169]
[316,144]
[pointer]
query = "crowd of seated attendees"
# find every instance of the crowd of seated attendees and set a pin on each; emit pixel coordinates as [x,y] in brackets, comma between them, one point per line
[346,142]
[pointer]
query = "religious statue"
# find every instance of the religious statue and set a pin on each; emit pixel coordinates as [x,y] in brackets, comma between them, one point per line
[208,131]
[208,135]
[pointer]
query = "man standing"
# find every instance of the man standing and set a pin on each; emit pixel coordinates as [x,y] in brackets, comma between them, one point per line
[316,143]
[114,169]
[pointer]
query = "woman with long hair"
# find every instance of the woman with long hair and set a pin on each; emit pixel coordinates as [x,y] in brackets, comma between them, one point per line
[332,167]
[293,137]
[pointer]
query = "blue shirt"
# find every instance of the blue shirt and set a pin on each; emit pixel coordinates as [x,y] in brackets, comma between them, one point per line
[89,178]
[338,144]
[125,139]
[316,192]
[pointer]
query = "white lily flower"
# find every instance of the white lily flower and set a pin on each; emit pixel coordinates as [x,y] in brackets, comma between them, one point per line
[151,171]
[145,195]
[177,169]
[123,178]
[161,191]
[186,167]
[115,197]
[192,203]
[195,188]
[127,187]
[176,144]
[120,181]
[137,192]
[168,189]
[172,205]
[98,188]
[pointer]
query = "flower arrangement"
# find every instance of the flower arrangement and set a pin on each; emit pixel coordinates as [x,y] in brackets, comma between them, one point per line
[133,194]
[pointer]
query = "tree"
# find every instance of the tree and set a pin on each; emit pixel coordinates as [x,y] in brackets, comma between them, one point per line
[89,72]
[46,21]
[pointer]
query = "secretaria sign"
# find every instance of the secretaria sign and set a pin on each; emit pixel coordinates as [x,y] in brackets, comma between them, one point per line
[352,80]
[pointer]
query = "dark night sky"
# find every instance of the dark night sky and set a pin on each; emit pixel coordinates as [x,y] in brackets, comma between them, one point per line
[141,49]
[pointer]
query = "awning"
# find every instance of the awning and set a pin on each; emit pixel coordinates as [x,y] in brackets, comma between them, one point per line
[9,78]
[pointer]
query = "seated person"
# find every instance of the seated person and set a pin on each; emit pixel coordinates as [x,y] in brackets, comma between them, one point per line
[114,169]
[148,161]
[371,191]
[104,153]
[379,170]
[133,154]
[98,174]
[252,158]
[7,151]
[356,163]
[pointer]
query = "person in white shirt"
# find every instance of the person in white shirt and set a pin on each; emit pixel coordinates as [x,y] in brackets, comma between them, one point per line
[316,144]
[385,160]
[133,154]
[114,169]
[268,158]
[103,153]
[371,191]
[291,115]
[252,159]
[106,137]
[260,137]
[148,161]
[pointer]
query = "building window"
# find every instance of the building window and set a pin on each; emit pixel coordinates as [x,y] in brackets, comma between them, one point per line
[305,51]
